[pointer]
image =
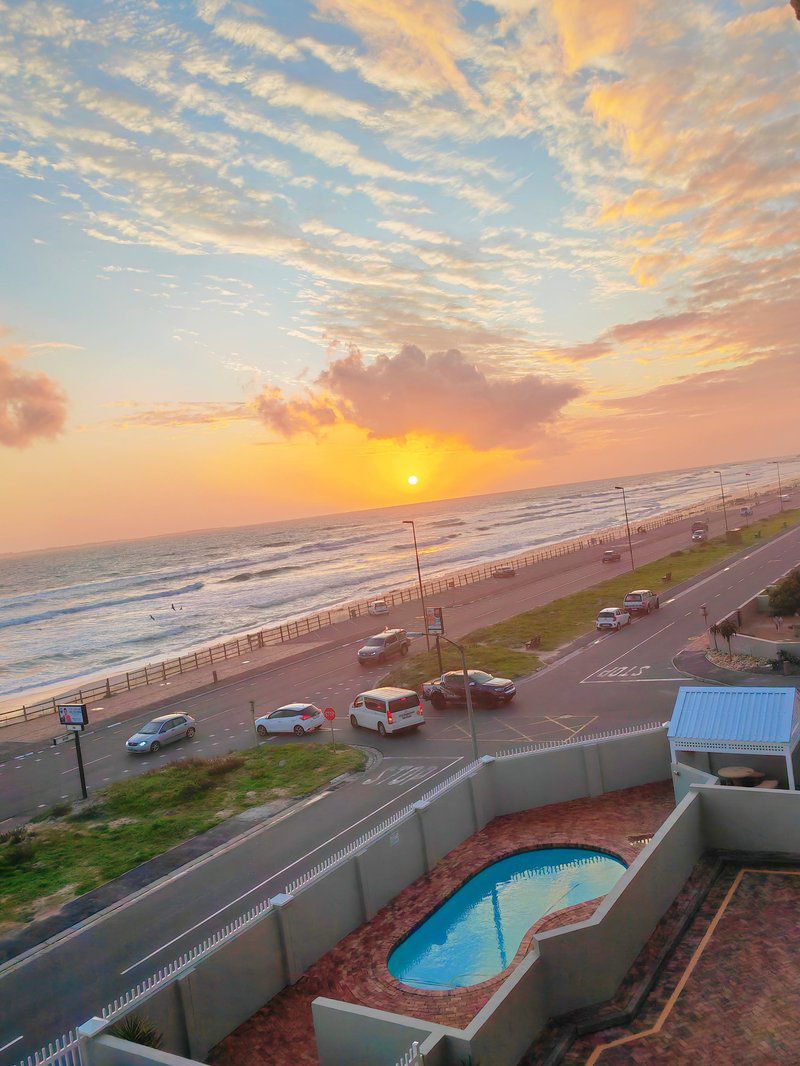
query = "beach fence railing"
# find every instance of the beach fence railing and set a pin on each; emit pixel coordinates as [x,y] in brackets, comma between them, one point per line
[235,647]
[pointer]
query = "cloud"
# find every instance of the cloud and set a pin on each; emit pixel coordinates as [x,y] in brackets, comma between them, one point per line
[32,406]
[173,415]
[441,395]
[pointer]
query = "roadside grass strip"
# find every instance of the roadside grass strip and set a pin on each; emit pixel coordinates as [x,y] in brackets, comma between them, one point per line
[72,849]
[500,648]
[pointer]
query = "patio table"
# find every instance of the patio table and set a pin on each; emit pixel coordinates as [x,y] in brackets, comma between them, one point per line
[740,775]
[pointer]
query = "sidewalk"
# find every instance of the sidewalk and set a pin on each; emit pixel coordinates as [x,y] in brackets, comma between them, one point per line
[481,603]
[693,661]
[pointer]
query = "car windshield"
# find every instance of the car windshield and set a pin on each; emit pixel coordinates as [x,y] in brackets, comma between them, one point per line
[151,727]
[375,642]
[606,614]
[480,676]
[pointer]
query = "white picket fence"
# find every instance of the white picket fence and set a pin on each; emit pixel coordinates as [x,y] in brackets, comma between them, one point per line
[343,854]
[412,1057]
[579,738]
[61,1052]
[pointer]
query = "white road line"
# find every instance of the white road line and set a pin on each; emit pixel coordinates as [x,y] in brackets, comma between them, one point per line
[11,1043]
[307,855]
[632,680]
[74,769]
[635,646]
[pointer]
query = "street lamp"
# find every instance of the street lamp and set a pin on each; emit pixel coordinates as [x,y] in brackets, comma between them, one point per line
[749,490]
[410,522]
[627,524]
[724,508]
[777,465]
[460,649]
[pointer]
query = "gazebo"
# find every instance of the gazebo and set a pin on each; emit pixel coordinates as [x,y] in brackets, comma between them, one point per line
[736,721]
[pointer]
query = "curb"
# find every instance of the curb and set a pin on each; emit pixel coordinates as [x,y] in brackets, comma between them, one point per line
[150,876]
[695,664]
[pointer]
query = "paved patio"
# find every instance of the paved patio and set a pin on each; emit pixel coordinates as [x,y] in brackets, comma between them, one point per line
[731,990]
[282,1032]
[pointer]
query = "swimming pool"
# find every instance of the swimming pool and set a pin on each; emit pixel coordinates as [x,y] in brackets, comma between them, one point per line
[476,932]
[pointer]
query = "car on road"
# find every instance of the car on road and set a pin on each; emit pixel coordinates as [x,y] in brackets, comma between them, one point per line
[378,607]
[784,497]
[745,511]
[505,570]
[611,555]
[485,689]
[387,710]
[165,729]
[297,718]
[641,601]
[384,646]
[613,618]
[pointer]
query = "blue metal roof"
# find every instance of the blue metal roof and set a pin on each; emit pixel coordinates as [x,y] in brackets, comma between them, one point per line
[754,715]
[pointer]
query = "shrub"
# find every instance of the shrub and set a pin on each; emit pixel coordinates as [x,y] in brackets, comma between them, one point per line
[86,814]
[784,598]
[224,764]
[137,1030]
[58,810]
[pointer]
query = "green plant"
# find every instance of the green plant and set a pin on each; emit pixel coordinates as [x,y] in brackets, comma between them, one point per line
[784,597]
[137,1030]
[727,629]
[58,810]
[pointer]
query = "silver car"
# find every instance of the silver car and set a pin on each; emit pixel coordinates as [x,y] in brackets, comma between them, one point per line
[162,730]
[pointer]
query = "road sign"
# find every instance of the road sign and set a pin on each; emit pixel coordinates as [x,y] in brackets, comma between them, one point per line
[62,738]
[73,714]
[329,713]
[434,621]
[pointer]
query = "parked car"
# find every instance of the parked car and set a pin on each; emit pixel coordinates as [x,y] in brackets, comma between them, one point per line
[378,607]
[745,511]
[613,618]
[160,731]
[506,570]
[297,718]
[699,530]
[611,555]
[785,497]
[641,601]
[387,710]
[384,646]
[486,690]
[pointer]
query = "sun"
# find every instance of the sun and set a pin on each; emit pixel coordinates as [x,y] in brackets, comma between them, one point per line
[413,479]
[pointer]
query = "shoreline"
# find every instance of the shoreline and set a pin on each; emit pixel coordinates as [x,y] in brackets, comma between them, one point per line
[23,706]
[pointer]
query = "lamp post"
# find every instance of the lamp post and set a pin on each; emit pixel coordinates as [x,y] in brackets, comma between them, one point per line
[777,466]
[724,508]
[410,522]
[627,524]
[471,717]
[749,490]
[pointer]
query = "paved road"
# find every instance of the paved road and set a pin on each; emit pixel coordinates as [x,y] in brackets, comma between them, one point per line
[615,679]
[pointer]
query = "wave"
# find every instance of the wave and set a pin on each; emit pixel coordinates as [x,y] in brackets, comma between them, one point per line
[81,608]
[250,575]
[449,522]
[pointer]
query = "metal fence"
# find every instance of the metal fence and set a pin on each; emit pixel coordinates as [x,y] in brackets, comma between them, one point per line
[61,1052]
[412,1057]
[235,647]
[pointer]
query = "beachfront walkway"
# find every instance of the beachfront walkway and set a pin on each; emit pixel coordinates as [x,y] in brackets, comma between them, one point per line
[282,1032]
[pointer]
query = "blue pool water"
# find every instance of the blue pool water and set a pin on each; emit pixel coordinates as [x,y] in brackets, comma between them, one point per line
[476,933]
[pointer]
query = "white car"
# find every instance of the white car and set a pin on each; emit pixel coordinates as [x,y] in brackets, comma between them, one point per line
[297,718]
[387,710]
[379,607]
[613,618]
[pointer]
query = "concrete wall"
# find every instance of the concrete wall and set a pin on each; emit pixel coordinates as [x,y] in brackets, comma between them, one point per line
[449,820]
[391,862]
[365,1036]
[638,759]
[760,648]
[108,1051]
[751,819]
[533,780]
[685,775]
[322,913]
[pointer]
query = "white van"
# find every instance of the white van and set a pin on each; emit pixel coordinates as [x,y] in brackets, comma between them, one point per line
[387,710]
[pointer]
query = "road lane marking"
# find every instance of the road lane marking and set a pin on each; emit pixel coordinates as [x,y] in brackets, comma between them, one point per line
[11,1043]
[635,646]
[279,873]
[74,769]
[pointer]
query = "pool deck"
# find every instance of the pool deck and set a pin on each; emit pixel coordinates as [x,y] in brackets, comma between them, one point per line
[282,1032]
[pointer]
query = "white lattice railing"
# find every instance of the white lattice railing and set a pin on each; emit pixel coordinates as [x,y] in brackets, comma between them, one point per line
[62,1052]
[579,738]
[412,1057]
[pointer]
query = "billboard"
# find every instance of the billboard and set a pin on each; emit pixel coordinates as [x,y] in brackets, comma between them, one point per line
[434,621]
[73,714]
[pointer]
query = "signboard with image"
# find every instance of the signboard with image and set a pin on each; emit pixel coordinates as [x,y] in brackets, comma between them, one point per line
[434,621]
[73,714]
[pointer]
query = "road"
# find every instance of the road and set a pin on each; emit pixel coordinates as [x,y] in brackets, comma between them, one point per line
[612,680]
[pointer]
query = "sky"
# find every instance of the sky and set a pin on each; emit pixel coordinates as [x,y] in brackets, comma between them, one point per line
[265,260]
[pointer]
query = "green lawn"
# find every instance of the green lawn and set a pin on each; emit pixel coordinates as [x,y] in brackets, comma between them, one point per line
[70,852]
[500,648]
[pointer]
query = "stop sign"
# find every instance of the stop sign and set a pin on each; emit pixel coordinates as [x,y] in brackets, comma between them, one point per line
[329,713]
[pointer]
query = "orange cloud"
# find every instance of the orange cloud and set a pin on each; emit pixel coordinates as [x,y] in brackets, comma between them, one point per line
[589,30]
[32,406]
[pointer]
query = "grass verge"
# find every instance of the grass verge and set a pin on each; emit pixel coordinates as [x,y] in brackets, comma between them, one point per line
[500,648]
[68,851]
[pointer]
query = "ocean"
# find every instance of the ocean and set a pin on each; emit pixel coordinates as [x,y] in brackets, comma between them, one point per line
[72,612]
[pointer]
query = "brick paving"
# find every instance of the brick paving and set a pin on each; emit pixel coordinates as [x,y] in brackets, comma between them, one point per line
[730,991]
[282,1032]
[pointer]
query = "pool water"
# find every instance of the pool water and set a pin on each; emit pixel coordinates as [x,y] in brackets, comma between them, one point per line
[476,933]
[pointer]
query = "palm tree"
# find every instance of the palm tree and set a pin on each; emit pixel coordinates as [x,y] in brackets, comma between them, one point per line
[727,628]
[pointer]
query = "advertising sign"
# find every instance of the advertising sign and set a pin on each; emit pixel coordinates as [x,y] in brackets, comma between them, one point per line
[434,621]
[73,714]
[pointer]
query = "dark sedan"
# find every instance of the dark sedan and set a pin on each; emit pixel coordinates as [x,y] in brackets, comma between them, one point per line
[486,690]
